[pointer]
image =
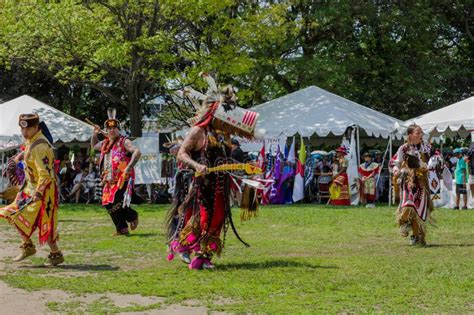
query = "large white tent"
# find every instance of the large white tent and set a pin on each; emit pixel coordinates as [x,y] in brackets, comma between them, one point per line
[322,116]
[314,111]
[452,120]
[63,127]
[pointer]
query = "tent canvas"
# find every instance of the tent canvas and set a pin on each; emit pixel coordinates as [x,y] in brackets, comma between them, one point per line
[62,126]
[452,120]
[314,111]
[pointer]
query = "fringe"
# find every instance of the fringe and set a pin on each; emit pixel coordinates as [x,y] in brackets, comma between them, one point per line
[211,244]
[249,204]
[189,236]
[404,216]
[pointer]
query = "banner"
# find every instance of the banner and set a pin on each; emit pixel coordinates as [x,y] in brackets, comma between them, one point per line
[148,168]
[353,171]
[255,145]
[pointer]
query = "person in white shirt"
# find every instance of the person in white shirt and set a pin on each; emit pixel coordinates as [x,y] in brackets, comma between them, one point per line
[78,185]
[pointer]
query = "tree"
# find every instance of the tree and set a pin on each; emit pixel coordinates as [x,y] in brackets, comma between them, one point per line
[122,49]
[399,58]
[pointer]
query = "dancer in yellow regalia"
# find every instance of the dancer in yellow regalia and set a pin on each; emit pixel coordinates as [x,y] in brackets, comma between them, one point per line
[36,204]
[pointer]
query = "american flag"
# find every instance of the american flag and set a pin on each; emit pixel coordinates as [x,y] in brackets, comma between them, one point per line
[249,118]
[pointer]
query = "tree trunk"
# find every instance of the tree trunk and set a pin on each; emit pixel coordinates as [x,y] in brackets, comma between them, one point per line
[135,111]
[74,99]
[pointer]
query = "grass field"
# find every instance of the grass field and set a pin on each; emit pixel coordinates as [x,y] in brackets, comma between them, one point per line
[302,259]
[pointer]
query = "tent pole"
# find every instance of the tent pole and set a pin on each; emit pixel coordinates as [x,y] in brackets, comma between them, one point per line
[441,145]
[358,146]
[389,176]
[3,168]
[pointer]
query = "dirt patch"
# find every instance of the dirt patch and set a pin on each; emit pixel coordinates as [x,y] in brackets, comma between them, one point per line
[173,309]
[18,301]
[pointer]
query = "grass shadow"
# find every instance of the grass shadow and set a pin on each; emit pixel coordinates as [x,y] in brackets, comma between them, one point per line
[75,267]
[272,264]
[449,245]
[142,235]
[71,220]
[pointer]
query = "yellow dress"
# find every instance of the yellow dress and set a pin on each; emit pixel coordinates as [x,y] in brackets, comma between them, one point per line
[40,179]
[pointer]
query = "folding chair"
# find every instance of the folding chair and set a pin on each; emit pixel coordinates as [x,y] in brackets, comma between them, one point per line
[323,187]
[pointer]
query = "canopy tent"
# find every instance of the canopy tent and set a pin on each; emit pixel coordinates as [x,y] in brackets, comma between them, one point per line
[63,127]
[316,112]
[452,120]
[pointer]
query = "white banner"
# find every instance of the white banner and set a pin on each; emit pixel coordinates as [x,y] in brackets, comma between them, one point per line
[353,171]
[255,145]
[148,169]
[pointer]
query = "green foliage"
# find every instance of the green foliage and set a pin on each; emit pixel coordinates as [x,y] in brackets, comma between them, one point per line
[401,58]
[302,259]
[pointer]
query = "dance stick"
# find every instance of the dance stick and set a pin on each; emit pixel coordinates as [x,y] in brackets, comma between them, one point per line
[248,168]
[105,133]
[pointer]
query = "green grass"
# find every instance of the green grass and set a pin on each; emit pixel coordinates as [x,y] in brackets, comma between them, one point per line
[302,259]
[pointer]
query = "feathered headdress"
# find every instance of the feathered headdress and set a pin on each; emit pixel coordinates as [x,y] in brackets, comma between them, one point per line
[219,108]
[112,121]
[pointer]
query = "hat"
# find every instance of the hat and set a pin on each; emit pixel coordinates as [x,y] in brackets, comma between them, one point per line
[219,109]
[28,120]
[457,150]
[342,149]
[235,141]
[112,122]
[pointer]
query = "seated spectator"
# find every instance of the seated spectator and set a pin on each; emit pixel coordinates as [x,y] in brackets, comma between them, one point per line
[79,183]
[89,181]
[66,177]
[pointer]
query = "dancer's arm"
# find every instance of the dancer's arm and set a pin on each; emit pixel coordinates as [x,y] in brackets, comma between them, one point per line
[191,143]
[136,154]
[95,143]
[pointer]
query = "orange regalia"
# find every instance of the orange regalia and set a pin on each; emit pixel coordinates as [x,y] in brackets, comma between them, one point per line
[339,189]
[113,159]
[117,186]
[40,180]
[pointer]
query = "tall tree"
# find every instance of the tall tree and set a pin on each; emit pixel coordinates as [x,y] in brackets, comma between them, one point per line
[123,49]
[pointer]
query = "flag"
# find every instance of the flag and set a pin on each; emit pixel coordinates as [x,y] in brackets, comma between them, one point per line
[291,154]
[353,171]
[298,188]
[276,175]
[277,165]
[261,158]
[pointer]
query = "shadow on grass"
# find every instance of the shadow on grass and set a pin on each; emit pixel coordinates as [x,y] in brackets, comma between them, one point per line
[142,235]
[449,245]
[71,220]
[75,267]
[272,264]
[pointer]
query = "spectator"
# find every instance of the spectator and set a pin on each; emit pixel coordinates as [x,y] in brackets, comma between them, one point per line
[470,160]
[453,160]
[79,185]
[66,175]
[237,154]
[460,176]
[378,158]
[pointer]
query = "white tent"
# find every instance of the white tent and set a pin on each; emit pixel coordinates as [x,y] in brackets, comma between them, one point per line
[63,127]
[314,111]
[455,119]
